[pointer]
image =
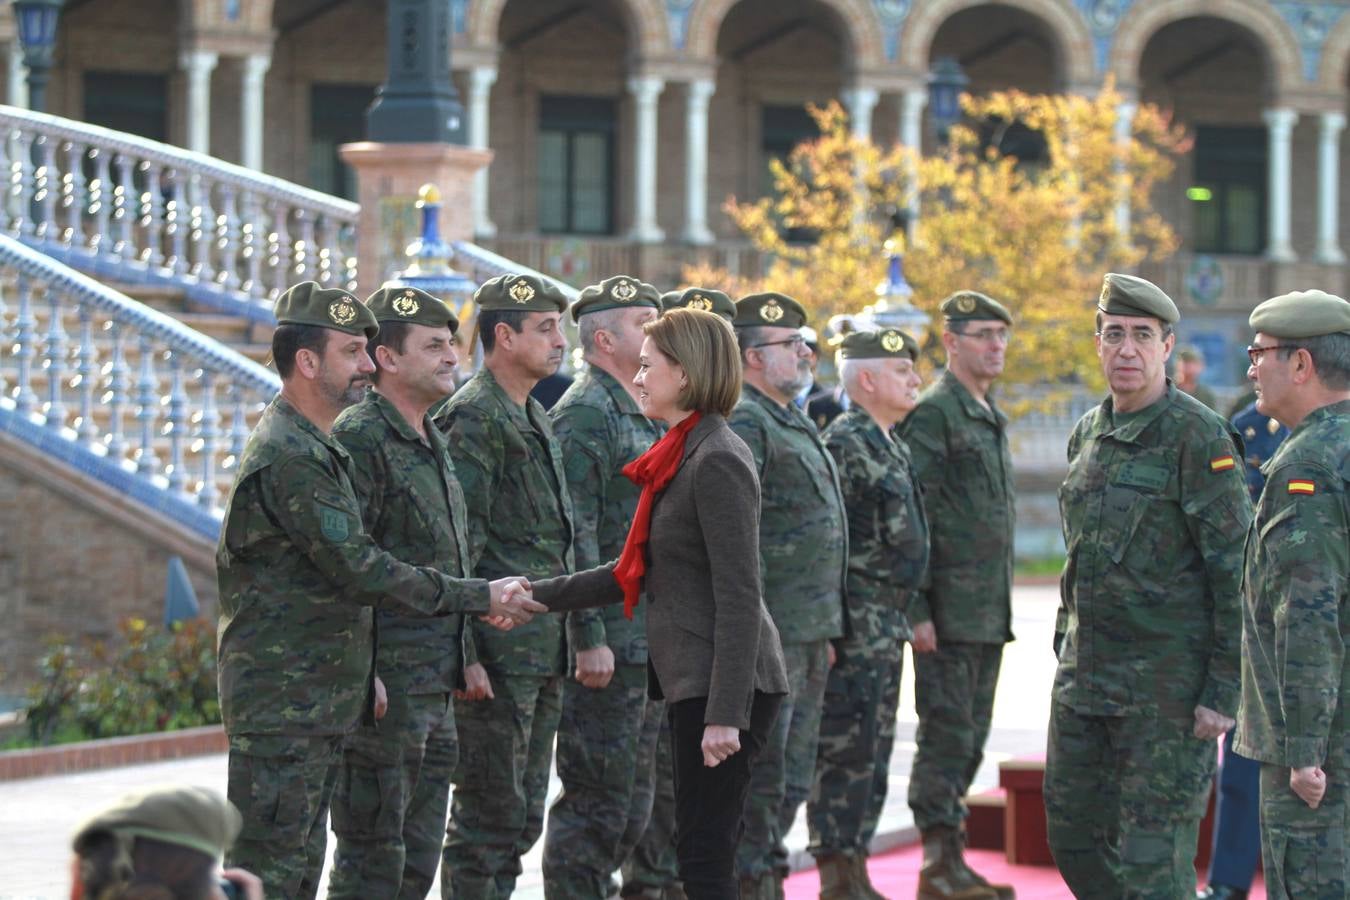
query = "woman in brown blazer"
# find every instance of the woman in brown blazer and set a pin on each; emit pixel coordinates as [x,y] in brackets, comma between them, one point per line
[713,650]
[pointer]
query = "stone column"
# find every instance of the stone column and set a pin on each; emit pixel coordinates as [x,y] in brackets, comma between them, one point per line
[481,79]
[696,229]
[1328,183]
[1280,123]
[17,92]
[646,91]
[251,108]
[1124,130]
[912,103]
[198,64]
[860,102]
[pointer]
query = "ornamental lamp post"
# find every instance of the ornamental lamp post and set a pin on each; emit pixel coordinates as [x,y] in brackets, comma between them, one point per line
[946,83]
[36,20]
[893,308]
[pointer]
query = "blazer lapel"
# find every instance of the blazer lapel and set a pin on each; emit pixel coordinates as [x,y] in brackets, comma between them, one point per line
[706,426]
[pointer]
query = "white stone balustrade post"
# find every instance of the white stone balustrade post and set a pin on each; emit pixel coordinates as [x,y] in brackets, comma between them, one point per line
[696,229]
[481,79]
[251,103]
[1328,188]
[646,91]
[1280,125]
[198,65]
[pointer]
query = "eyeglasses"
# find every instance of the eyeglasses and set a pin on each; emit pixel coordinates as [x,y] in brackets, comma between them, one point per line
[1142,337]
[796,343]
[1254,352]
[987,335]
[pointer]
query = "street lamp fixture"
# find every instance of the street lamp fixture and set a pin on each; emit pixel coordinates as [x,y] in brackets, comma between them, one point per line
[36,20]
[893,308]
[946,83]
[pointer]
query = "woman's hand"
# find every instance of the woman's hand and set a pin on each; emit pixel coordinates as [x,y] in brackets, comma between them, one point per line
[720,742]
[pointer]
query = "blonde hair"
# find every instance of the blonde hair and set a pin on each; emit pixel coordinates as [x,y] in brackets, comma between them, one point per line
[703,344]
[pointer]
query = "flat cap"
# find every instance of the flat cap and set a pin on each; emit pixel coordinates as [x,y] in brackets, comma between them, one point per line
[769,308]
[307,303]
[888,343]
[524,292]
[399,303]
[193,817]
[968,306]
[705,299]
[1130,295]
[616,292]
[1302,314]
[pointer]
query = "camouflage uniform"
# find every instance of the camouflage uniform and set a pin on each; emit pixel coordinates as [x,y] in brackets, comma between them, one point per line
[607,739]
[1154,509]
[964,467]
[297,575]
[390,803]
[888,553]
[520,521]
[1295,676]
[652,870]
[803,542]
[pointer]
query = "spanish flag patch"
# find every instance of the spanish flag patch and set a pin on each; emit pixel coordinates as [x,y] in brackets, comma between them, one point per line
[1222,463]
[1302,487]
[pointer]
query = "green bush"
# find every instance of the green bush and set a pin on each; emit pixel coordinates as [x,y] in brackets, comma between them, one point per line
[147,679]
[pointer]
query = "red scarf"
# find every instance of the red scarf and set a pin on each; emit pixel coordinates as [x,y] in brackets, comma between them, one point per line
[652,471]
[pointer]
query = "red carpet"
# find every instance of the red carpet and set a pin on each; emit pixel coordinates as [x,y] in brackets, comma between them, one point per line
[896,874]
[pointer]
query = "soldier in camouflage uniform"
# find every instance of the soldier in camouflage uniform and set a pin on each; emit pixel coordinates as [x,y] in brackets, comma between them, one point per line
[803,543]
[958,439]
[1154,509]
[520,519]
[705,299]
[298,575]
[390,802]
[607,737]
[888,554]
[1296,616]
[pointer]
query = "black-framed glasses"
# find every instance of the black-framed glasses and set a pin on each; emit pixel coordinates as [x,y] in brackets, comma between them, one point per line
[796,343]
[1254,352]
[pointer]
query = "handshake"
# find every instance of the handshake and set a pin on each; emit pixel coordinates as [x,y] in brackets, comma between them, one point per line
[512,603]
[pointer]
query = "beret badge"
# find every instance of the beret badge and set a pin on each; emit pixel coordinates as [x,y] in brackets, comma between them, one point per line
[406,305]
[891,341]
[521,292]
[698,301]
[342,312]
[965,305]
[771,311]
[623,291]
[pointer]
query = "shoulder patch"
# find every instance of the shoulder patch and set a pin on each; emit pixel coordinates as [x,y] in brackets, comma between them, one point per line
[1222,463]
[1302,486]
[333,524]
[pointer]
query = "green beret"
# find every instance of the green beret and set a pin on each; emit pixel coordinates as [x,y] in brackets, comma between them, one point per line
[196,818]
[308,304]
[705,299]
[888,343]
[770,308]
[529,293]
[617,292]
[967,306]
[399,303]
[1130,295]
[1190,354]
[1302,314]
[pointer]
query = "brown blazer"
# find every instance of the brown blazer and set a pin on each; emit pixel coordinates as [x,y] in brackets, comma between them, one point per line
[709,633]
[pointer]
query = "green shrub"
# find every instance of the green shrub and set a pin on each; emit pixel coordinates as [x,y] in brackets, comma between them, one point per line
[147,679]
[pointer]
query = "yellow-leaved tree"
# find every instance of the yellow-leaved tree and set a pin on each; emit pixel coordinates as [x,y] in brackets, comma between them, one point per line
[1036,234]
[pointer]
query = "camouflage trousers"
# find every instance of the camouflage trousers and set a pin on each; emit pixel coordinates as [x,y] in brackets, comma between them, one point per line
[652,867]
[497,808]
[390,802]
[954,698]
[281,785]
[857,733]
[781,778]
[1303,851]
[1124,796]
[606,758]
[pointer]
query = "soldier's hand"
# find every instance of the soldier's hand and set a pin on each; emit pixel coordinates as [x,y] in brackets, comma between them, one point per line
[1210,724]
[511,600]
[1310,784]
[925,638]
[831,654]
[477,685]
[242,878]
[595,667]
[381,699]
[719,742]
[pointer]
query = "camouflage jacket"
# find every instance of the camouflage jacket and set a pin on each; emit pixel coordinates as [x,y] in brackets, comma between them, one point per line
[803,535]
[1154,509]
[298,574]
[601,430]
[412,505]
[520,516]
[962,462]
[1296,622]
[887,529]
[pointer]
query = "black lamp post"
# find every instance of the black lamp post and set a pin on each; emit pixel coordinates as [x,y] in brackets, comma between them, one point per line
[417,102]
[37,34]
[946,82]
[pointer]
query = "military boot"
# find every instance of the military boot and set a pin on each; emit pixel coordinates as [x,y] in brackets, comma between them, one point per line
[865,888]
[1002,891]
[943,877]
[758,888]
[837,878]
[673,892]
